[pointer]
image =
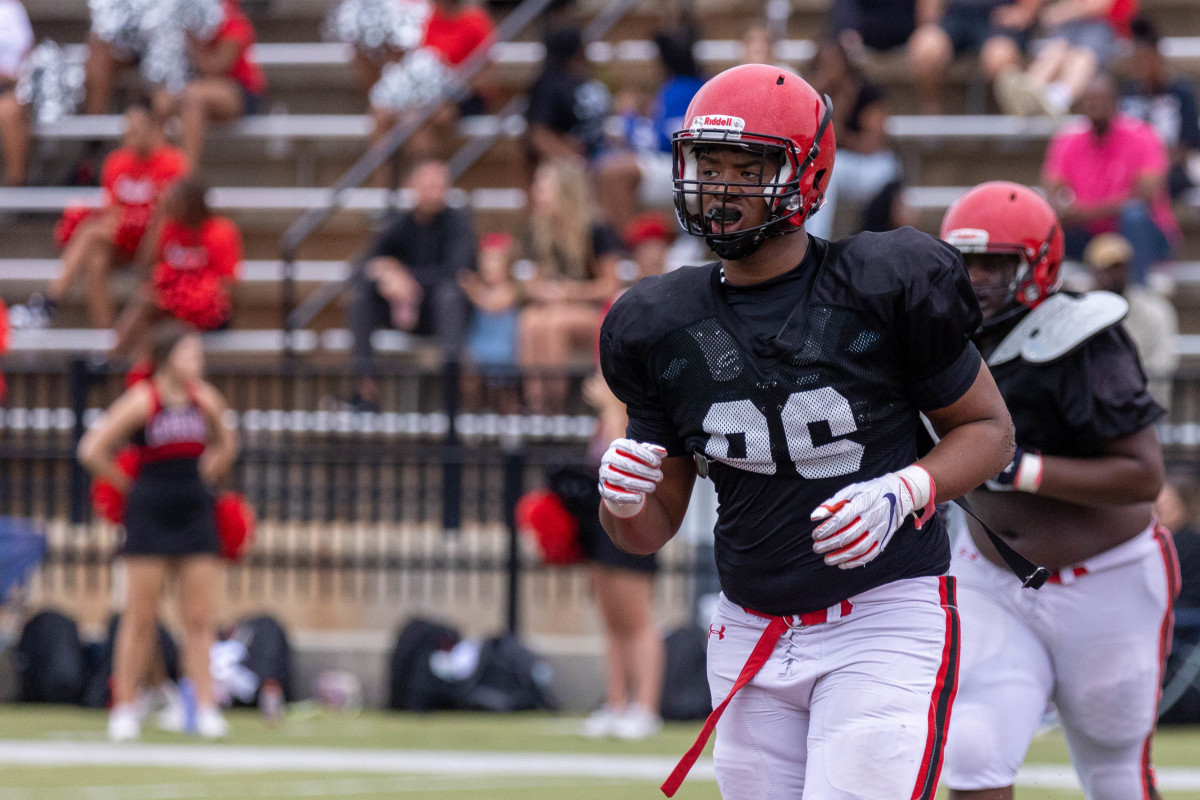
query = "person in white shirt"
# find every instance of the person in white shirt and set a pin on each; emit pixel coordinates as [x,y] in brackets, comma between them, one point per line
[16,39]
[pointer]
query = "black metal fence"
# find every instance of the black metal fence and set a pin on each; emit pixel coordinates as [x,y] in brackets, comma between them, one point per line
[356,503]
[308,465]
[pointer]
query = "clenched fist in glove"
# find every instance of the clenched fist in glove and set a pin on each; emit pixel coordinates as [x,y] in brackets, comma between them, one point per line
[860,520]
[628,472]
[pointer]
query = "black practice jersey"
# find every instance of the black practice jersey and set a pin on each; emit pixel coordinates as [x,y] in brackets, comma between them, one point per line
[1068,406]
[790,406]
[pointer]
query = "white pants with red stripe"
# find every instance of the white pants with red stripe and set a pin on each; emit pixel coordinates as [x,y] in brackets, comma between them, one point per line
[1092,641]
[849,709]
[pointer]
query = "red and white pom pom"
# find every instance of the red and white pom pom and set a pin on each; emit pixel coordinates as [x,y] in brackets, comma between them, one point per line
[236,522]
[542,516]
[107,500]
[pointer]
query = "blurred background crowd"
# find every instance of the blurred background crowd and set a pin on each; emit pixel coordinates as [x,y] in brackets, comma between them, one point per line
[503,183]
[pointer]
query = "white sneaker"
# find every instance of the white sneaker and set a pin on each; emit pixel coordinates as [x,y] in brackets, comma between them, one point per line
[123,724]
[210,724]
[602,723]
[638,722]
[172,717]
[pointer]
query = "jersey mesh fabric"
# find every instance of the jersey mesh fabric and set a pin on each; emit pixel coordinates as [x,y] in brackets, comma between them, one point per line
[787,420]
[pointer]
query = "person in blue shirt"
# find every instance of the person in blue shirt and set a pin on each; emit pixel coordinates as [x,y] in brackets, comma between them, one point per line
[638,175]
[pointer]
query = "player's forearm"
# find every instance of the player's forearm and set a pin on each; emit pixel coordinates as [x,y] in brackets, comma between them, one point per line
[645,533]
[968,455]
[1106,480]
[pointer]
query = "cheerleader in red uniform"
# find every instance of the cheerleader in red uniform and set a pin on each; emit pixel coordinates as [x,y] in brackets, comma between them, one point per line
[134,177]
[228,86]
[197,257]
[175,420]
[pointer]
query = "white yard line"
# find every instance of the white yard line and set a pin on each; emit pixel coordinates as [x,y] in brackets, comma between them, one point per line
[201,789]
[314,759]
[466,767]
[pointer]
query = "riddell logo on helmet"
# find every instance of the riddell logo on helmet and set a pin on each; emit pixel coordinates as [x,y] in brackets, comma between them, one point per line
[968,240]
[722,124]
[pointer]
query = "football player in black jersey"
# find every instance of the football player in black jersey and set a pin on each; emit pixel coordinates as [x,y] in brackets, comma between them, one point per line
[793,373]
[1076,497]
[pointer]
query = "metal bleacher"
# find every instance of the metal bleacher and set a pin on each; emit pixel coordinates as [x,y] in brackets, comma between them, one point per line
[270,168]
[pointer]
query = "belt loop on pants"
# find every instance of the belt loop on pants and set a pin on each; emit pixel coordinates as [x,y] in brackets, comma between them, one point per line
[758,656]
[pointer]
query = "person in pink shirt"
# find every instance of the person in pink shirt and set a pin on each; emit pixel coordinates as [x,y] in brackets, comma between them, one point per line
[1110,174]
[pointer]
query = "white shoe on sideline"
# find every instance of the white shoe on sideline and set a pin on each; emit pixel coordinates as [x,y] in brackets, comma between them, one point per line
[210,724]
[172,717]
[638,722]
[123,724]
[602,722]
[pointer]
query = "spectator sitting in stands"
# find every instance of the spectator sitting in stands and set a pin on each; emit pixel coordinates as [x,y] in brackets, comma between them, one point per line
[567,108]
[115,43]
[995,30]
[492,341]
[640,175]
[865,164]
[381,31]
[576,262]
[410,279]
[1166,103]
[1081,41]
[95,242]
[424,76]
[877,24]
[887,210]
[196,260]
[1174,514]
[229,84]
[1151,321]
[1174,509]
[758,44]
[16,39]
[648,238]
[1110,174]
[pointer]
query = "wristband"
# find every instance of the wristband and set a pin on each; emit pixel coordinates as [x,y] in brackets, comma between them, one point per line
[625,510]
[1029,473]
[922,487]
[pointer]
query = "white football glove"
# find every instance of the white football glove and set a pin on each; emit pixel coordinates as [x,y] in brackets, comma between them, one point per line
[861,519]
[628,472]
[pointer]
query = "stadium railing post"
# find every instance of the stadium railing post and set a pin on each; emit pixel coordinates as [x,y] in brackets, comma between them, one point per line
[80,378]
[514,473]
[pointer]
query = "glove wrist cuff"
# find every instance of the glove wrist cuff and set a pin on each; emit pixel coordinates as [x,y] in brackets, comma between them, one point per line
[1029,473]
[625,510]
[923,489]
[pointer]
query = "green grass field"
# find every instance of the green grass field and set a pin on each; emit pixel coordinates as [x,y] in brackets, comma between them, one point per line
[61,739]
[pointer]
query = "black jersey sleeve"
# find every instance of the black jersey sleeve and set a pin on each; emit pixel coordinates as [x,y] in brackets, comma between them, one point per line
[625,339]
[939,314]
[1109,400]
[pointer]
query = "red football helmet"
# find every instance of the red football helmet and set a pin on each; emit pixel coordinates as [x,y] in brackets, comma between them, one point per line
[1004,217]
[767,110]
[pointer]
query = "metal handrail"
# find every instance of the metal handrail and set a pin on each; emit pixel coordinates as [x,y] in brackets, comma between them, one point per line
[300,316]
[389,145]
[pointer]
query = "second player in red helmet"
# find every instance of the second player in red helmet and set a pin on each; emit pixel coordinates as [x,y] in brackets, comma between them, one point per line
[1076,497]
[793,373]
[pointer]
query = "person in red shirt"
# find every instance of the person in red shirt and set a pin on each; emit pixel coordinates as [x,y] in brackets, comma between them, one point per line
[453,33]
[229,86]
[95,241]
[197,258]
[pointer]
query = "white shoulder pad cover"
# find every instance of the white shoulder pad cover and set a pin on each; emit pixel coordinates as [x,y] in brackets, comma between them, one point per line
[1059,325]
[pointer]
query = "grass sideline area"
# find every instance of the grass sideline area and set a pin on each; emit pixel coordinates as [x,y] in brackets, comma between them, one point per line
[62,734]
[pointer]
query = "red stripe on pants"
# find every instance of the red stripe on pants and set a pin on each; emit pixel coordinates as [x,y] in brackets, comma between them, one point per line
[1171,565]
[941,699]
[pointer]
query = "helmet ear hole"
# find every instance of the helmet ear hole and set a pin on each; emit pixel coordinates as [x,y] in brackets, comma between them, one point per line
[818,176]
